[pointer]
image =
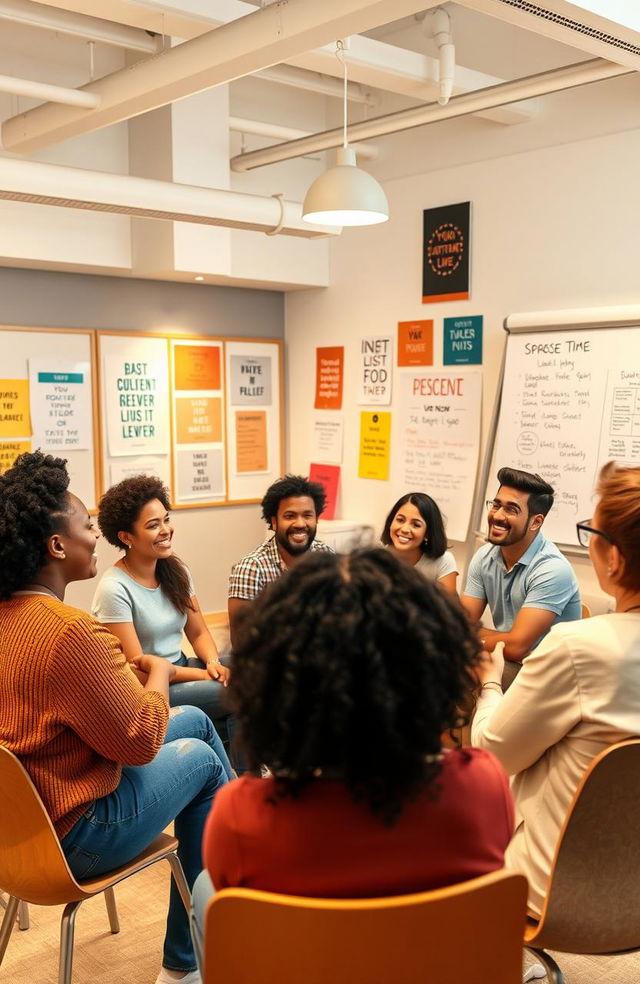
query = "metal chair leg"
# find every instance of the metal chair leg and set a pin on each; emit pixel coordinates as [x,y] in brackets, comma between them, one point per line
[23,916]
[112,910]
[180,880]
[7,924]
[67,932]
[554,973]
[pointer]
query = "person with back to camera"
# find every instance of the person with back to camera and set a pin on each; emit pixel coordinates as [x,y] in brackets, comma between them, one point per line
[577,693]
[347,671]
[414,531]
[147,598]
[100,747]
[520,574]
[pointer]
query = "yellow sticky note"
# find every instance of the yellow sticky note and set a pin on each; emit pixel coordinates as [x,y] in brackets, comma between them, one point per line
[9,451]
[15,420]
[375,439]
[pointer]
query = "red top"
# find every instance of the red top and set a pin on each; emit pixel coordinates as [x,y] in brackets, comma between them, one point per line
[326,846]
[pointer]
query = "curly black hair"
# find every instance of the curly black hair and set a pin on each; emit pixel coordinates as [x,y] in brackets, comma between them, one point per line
[429,510]
[289,487]
[118,510]
[33,506]
[352,665]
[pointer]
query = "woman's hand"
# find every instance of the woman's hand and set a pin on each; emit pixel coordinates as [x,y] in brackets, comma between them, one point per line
[491,665]
[218,672]
[145,664]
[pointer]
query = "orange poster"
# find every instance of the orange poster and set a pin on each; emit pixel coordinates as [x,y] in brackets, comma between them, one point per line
[9,451]
[415,343]
[329,376]
[251,441]
[197,367]
[198,420]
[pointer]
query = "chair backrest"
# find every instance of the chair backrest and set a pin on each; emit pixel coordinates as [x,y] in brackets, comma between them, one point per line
[32,865]
[593,896]
[586,611]
[470,932]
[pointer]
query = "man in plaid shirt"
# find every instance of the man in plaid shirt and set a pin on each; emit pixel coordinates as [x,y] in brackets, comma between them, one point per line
[291,507]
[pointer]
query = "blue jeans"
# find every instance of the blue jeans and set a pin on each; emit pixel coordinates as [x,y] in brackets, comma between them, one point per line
[179,784]
[212,698]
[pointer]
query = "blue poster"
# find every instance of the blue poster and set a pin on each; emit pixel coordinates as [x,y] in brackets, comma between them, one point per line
[462,341]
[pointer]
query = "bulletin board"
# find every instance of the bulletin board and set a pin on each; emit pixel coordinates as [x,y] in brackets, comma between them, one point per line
[48,400]
[569,401]
[204,414]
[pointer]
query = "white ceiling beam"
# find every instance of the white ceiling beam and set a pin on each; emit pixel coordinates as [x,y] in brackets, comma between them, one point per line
[78,25]
[265,37]
[52,93]
[98,191]
[568,23]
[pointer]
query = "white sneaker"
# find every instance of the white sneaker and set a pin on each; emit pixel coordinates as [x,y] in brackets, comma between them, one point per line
[534,973]
[165,977]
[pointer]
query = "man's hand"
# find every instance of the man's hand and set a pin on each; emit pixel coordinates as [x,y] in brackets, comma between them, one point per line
[491,665]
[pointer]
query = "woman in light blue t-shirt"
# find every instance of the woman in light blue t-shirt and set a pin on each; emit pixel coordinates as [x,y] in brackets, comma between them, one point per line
[147,598]
[414,531]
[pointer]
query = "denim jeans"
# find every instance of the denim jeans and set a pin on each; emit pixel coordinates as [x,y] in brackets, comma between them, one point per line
[202,893]
[212,698]
[179,784]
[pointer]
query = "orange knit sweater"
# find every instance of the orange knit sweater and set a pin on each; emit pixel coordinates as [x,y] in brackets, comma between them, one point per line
[70,707]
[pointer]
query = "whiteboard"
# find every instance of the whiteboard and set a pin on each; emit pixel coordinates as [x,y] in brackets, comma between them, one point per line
[570,402]
[58,348]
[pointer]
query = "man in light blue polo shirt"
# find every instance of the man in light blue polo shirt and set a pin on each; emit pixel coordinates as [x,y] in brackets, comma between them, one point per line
[521,575]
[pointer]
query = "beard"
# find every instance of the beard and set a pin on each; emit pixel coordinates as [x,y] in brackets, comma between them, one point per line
[292,548]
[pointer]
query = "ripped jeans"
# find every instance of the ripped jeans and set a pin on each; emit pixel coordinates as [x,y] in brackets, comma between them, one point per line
[179,784]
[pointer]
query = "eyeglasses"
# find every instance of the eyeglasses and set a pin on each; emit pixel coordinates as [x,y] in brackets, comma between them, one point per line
[585,531]
[508,508]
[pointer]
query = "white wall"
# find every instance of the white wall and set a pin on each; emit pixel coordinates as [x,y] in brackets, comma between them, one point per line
[551,228]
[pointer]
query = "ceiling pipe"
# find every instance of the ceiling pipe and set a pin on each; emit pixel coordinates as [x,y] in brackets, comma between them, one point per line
[277,132]
[97,191]
[326,85]
[437,25]
[79,25]
[567,77]
[49,93]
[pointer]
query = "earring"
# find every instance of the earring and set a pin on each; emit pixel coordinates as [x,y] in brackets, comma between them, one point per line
[426,540]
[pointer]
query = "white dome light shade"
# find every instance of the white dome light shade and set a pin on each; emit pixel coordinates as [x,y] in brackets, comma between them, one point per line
[345,195]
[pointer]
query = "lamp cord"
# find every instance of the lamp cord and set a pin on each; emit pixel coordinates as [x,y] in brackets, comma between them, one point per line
[345,103]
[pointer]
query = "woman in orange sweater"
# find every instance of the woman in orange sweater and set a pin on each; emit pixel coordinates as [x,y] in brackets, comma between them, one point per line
[99,744]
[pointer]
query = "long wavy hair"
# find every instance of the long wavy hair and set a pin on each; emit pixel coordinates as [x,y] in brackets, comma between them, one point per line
[352,666]
[119,509]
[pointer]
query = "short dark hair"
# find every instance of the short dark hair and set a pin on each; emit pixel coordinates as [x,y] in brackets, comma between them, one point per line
[540,492]
[353,665]
[289,487]
[34,504]
[118,510]
[427,507]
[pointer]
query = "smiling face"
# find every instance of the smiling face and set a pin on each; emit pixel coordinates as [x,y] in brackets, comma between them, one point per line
[78,542]
[151,534]
[509,520]
[408,530]
[295,525]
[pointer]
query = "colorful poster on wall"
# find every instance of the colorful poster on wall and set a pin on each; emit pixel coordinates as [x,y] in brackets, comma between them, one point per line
[250,382]
[439,431]
[136,394]
[446,248]
[198,421]
[61,408]
[251,441]
[376,369]
[14,408]
[462,341]
[196,367]
[329,377]
[9,451]
[328,437]
[375,435]
[329,477]
[415,343]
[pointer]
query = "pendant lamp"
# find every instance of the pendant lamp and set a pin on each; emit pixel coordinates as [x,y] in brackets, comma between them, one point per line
[345,194]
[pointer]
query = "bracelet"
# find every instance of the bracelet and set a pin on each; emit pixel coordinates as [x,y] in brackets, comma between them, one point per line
[492,683]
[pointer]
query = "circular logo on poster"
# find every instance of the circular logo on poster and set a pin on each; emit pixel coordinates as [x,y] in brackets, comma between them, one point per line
[445,249]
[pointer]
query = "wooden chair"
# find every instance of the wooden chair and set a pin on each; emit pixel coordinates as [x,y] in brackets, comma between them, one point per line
[470,932]
[34,869]
[593,896]
[586,611]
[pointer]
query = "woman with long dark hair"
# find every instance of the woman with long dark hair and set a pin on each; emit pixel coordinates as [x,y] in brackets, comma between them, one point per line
[147,598]
[414,531]
[100,748]
[347,672]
